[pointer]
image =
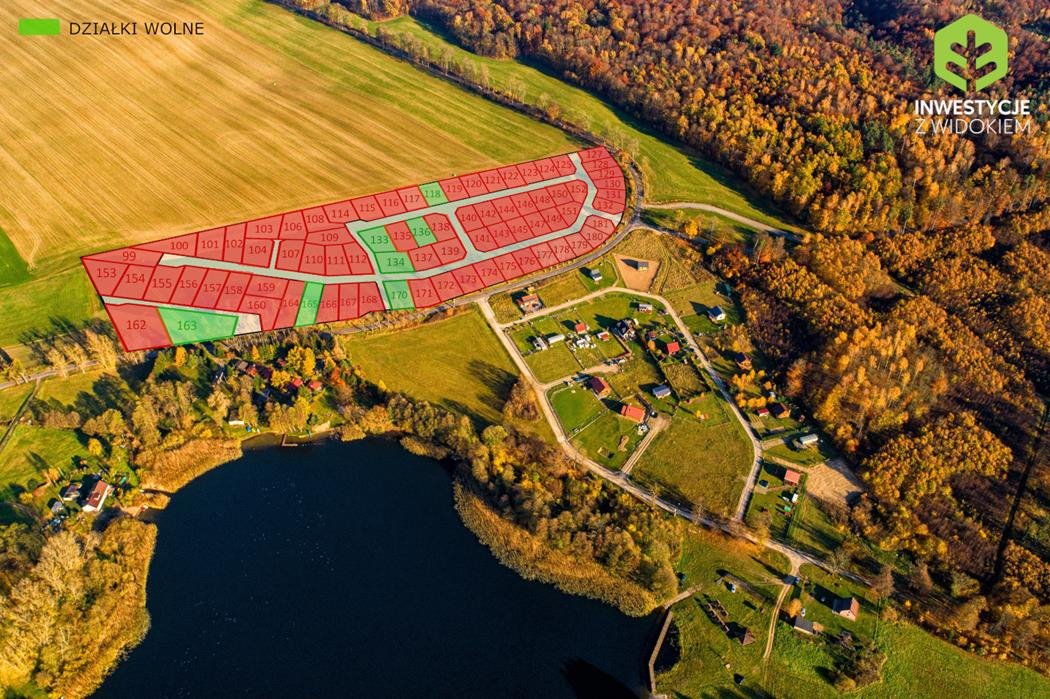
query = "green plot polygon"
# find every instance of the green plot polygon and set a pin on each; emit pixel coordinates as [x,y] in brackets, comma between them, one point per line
[309,303]
[421,231]
[377,239]
[433,194]
[393,263]
[398,295]
[197,326]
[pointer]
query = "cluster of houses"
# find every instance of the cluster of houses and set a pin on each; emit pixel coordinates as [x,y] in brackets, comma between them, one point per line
[91,498]
[580,338]
[601,388]
[655,344]
[266,373]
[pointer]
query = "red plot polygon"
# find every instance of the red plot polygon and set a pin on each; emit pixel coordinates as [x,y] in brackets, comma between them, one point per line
[133,282]
[468,218]
[453,189]
[210,288]
[526,259]
[290,255]
[543,198]
[293,226]
[523,203]
[609,206]
[537,224]
[488,271]
[316,219]
[578,244]
[335,262]
[271,287]
[188,286]
[562,249]
[530,172]
[594,236]
[554,220]
[502,234]
[263,227]
[313,259]
[130,256]
[487,212]
[209,243]
[423,293]
[328,306]
[519,228]
[401,236]
[257,252]
[445,285]
[348,302]
[544,254]
[233,243]
[508,266]
[162,284]
[467,278]
[547,168]
[474,185]
[449,251]
[139,327]
[578,190]
[505,207]
[367,208]
[368,298]
[340,212]
[511,177]
[265,308]
[560,194]
[104,275]
[569,212]
[357,259]
[590,154]
[412,198]
[289,309]
[181,245]
[440,226]
[331,236]
[493,181]
[563,164]
[424,258]
[232,291]
[483,239]
[390,203]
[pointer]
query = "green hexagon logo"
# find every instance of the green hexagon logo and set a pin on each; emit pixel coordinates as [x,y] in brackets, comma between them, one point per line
[970,50]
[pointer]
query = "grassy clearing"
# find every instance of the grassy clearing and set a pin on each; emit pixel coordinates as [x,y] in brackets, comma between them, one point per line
[68,389]
[12,267]
[46,303]
[712,226]
[11,400]
[673,173]
[699,462]
[810,456]
[553,363]
[32,449]
[593,427]
[429,362]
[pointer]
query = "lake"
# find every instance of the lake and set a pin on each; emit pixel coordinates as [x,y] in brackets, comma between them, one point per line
[344,570]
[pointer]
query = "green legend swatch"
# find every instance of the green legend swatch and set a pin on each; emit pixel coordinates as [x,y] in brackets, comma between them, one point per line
[30,26]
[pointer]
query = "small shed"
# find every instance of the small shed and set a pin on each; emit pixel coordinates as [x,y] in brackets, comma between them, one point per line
[599,385]
[780,411]
[71,492]
[595,275]
[807,440]
[717,314]
[847,607]
[803,626]
[662,391]
[555,338]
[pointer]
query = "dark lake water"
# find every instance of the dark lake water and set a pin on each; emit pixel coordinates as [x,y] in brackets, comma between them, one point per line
[344,570]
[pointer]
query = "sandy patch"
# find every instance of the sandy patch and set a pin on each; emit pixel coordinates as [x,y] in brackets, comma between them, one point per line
[634,278]
[833,481]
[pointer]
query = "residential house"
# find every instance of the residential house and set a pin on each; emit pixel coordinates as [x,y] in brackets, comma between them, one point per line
[672,347]
[625,329]
[539,344]
[632,412]
[580,328]
[296,382]
[847,607]
[791,476]
[529,303]
[595,275]
[97,497]
[662,391]
[599,385]
[314,385]
[716,314]
[780,411]
[762,412]
[645,307]
[641,265]
[803,625]
[604,335]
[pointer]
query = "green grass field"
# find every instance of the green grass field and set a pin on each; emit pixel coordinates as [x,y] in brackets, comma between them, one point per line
[703,463]
[66,390]
[810,456]
[553,363]
[13,268]
[11,400]
[429,362]
[45,303]
[673,173]
[32,449]
[713,227]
